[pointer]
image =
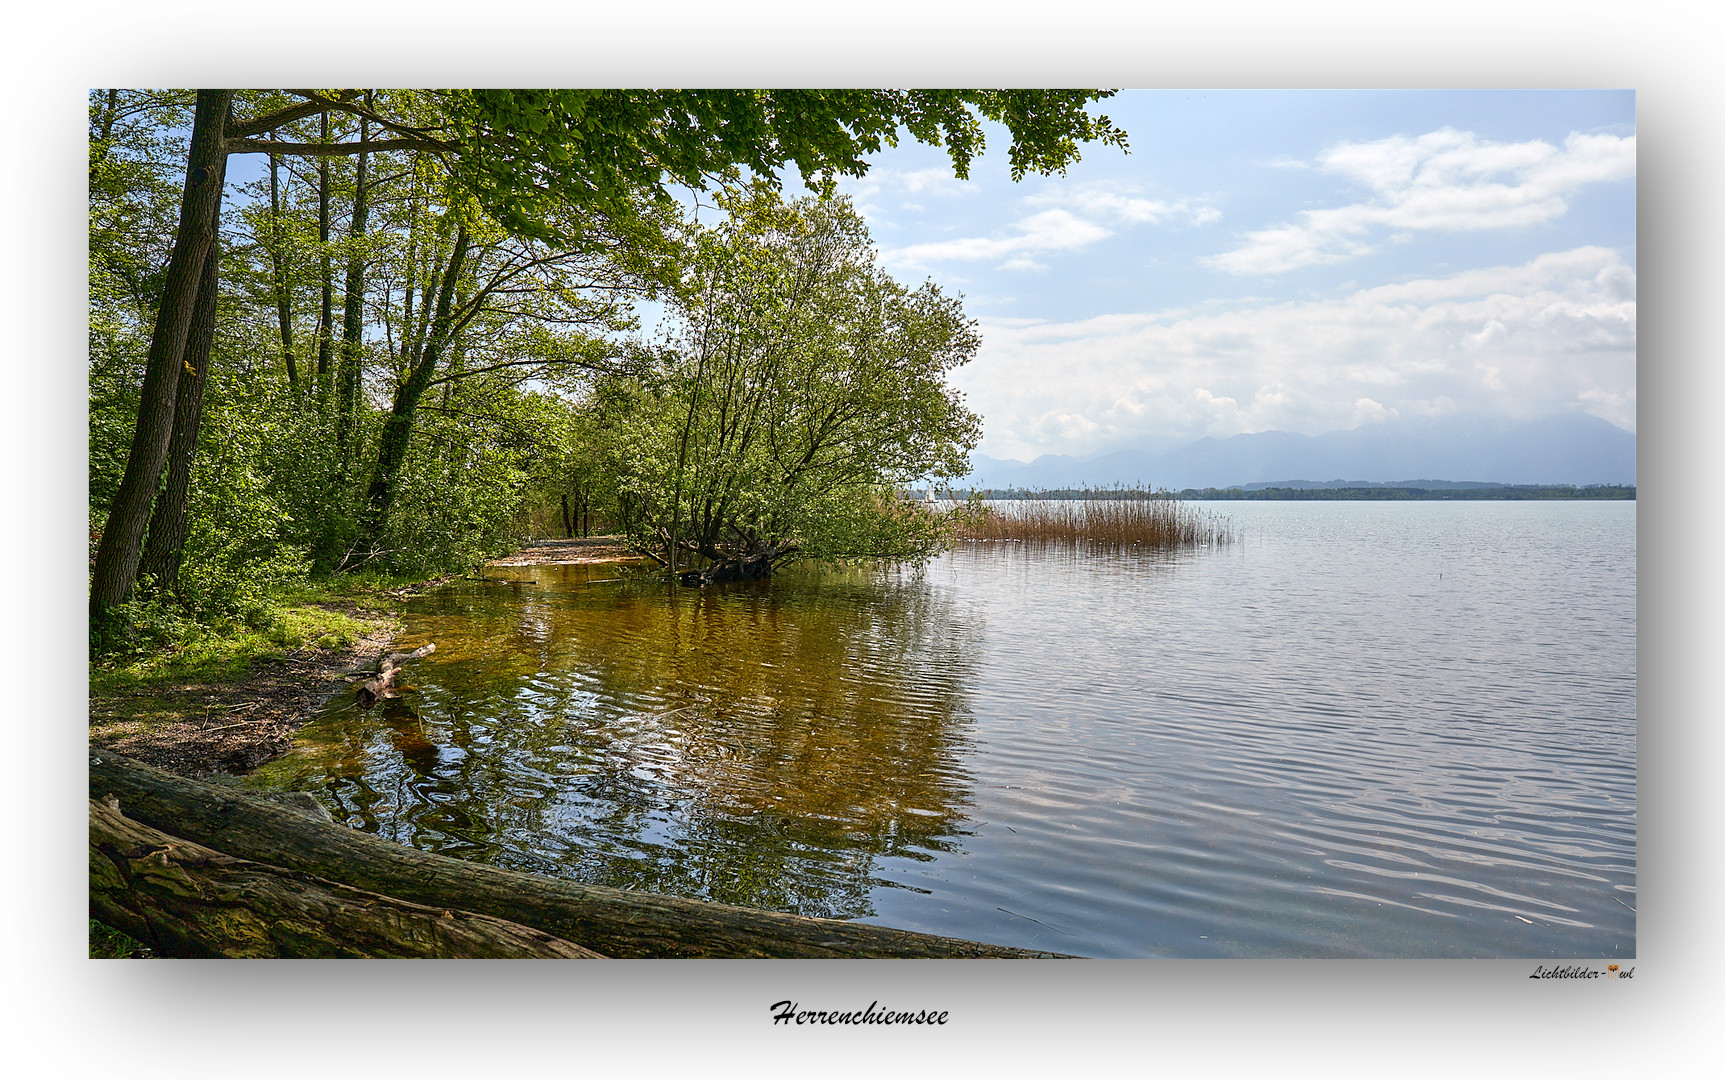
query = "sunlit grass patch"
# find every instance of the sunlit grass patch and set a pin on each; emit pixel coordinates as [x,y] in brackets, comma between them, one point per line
[162,647]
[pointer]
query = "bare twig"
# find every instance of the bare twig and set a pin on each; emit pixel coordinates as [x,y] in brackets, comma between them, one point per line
[242,723]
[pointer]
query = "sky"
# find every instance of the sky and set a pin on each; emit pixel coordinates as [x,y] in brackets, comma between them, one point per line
[1261,260]
[1300,261]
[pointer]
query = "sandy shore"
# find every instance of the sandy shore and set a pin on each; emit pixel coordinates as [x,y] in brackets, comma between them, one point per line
[592,549]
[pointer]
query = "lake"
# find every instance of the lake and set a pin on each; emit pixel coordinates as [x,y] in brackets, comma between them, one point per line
[1394,729]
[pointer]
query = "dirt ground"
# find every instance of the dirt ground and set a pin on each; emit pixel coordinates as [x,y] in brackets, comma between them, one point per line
[592,549]
[200,728]
[203,728]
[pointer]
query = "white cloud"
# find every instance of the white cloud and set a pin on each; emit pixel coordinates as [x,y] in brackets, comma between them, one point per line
[1111,202]
[1553,334]
[880,180]
[1048,231]
[881,185]
[1446,180]
[1076,216]
[1368,411]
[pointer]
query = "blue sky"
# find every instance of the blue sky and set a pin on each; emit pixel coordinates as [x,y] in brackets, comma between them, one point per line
[1280,260]
[1298,261]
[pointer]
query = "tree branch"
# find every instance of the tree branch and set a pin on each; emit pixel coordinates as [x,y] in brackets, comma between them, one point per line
[347,106]
[271,121]
[256,146]
[467,372]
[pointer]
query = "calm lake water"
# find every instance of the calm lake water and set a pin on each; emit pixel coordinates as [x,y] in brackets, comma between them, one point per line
[1366,730]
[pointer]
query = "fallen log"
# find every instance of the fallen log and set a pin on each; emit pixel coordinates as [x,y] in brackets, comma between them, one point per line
[381,685]
[608,921]
[184,899]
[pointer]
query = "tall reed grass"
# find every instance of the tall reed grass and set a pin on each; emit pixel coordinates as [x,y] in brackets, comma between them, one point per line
[1117,517]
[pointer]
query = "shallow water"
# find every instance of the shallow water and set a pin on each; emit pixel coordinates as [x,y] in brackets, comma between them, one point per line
[1368,729]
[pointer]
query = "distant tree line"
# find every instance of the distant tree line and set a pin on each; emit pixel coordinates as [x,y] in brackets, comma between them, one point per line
[1117,492]
[1487,491]
[1349,492]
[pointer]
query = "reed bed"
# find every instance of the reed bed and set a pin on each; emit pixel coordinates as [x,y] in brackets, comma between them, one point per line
[1114,517]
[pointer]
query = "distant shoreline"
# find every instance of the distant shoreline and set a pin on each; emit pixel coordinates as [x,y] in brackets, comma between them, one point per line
[1617,492]
[1336,493]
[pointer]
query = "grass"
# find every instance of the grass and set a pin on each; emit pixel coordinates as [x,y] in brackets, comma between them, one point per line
[1118,517]
[169,649]
[142,682]
[106,943]
[162,648]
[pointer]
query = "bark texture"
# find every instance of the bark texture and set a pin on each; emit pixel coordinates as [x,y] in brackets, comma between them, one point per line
[324,330]
[352,314]
[164,548]
[279,278]
[121,547]
[187,900]
[611,922]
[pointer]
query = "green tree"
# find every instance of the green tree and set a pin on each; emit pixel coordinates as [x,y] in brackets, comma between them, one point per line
[121,546]
[494,311]
[135,162]
[559,167]
[804,387]
[524,152]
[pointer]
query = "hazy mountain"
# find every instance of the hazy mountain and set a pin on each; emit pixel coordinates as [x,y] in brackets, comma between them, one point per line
[1567,449]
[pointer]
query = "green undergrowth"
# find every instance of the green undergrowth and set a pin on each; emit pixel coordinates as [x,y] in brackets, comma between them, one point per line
[159,660]
[106,943]
[154,643]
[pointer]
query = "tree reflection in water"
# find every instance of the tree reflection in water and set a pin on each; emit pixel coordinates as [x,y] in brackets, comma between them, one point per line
[768,744]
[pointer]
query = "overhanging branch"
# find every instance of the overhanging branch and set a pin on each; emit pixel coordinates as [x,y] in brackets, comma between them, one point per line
[271,121]
[257,146]
[345,105]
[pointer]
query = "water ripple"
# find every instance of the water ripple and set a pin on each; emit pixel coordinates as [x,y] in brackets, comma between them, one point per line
[1370,730]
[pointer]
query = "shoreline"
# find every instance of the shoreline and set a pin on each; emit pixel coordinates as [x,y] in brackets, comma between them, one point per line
[583,551]
[203,727]
[200,728]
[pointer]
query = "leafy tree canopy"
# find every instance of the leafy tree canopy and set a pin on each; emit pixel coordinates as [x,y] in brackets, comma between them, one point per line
[524,151]
[479,238]
[803,387]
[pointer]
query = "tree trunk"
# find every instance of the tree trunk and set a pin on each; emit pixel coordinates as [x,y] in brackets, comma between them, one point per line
[186,900]
[324,329]
[611,922]
[117,556]
[165,546]
[278,268]
[568,525]
[398,426]
[348,377]
[740,568]
[110,113]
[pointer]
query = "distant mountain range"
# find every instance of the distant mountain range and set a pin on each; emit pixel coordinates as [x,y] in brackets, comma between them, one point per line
[1567,449]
